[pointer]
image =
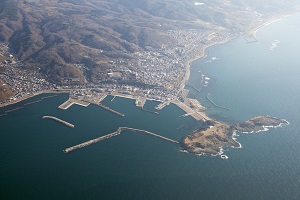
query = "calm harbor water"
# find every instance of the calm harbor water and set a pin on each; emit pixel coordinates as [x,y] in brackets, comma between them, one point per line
[248,78]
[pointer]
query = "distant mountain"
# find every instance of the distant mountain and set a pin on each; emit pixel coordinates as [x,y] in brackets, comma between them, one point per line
[54,35]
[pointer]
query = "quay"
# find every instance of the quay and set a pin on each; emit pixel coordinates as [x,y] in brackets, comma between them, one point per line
[59,120]
[216,105]
[118,132]
[72,101]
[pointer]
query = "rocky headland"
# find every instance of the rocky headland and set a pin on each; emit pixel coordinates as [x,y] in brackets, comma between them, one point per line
[211,138]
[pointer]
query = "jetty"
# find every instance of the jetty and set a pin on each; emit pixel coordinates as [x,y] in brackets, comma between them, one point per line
[118,132]
[59,120]
[113,98]
[216,105]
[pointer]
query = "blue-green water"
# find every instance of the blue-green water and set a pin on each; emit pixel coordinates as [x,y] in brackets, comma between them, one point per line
[248,78]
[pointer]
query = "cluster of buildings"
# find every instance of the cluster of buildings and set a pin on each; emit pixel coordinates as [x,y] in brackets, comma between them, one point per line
[155,74]
[21,82]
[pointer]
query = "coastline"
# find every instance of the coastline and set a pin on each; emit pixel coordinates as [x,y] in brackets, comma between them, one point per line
[251,32]
[30,96]
[271,20]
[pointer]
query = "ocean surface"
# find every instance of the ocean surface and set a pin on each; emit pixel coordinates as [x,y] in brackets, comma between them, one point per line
[250,79]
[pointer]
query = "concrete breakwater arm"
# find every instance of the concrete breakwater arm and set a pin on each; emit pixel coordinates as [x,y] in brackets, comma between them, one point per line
[59,120]
[120,129]
[148,132]
[67,150]
[216,105]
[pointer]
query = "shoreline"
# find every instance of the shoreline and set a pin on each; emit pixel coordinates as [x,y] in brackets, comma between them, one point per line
[30,96]
[189,62]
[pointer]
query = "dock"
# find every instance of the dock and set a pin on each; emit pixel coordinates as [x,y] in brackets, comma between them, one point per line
[59,120]
[216,105]
[118,132]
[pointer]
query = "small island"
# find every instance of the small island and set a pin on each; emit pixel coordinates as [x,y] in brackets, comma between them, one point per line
[211,138]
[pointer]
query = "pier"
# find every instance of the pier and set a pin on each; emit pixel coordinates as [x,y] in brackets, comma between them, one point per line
[113,98]
[59,120]
[118,132]
[216,105]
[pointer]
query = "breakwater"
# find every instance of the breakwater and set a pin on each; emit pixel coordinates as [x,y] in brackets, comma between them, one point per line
[216,105]
[149,111]
[13,109]
[59,120]
[120,129]
[33,102]
[49,96]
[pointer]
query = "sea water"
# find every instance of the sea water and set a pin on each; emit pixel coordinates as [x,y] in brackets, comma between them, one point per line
[250,79]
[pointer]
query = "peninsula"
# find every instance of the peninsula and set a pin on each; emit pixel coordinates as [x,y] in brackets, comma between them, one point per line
[211,138]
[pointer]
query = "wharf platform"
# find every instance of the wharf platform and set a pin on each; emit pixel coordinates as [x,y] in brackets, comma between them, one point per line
[140,102]
[59,120]
[72,101]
